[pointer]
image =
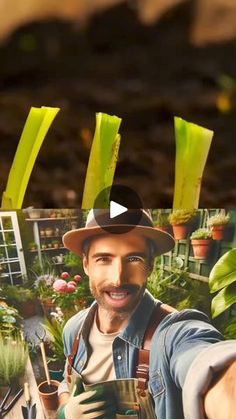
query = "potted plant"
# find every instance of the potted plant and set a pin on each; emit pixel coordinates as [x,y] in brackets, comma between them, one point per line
[33,246]
[201,240]
[44,290]
[55,244]
[49,231]
[181,221]
[217,224]
[42,232]
[13,359]
[43,246]
[54,327]
[24,299]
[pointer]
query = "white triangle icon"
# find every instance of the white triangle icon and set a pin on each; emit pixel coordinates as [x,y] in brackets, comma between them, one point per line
[116,209]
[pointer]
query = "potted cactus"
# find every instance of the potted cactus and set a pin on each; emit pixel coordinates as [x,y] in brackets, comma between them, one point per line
[181,221]
[201,240]
[217,224]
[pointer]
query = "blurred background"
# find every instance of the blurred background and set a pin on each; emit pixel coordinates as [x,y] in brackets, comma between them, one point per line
[143,60]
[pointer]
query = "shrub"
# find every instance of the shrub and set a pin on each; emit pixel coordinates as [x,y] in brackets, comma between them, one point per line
[13,358]
[218,219]
[181,216]
[201,234]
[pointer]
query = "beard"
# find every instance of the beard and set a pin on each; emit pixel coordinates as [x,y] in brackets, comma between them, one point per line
[118,313]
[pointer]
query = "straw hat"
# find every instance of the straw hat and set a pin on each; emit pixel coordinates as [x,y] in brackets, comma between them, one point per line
[99,222]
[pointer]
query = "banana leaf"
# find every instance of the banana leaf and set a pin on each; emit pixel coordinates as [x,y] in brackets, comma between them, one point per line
[223,300]
[223,272]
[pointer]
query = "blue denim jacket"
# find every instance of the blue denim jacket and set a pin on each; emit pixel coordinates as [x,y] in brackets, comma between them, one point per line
[178,340]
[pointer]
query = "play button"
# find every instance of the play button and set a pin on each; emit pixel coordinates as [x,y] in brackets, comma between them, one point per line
[116,209]
[118,206]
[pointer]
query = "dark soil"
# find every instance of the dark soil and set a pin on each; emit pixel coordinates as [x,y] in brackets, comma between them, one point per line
[146,75]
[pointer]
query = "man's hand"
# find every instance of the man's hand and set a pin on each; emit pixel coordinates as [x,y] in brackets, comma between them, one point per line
[88,405]
[220,400]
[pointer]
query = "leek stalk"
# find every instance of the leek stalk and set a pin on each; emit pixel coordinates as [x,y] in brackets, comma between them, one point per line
[34,132]
[102,160]
[192,146]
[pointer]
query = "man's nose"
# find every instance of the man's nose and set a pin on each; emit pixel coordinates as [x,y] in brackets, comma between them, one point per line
[119,273]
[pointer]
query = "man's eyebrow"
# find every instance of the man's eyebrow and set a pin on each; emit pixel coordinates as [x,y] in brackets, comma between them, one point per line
[108,254]
[101,254]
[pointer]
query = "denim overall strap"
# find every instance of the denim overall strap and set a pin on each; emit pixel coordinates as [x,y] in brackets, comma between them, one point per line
[142,370]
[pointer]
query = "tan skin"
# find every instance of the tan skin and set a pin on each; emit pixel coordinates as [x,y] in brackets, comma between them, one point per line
[116,262]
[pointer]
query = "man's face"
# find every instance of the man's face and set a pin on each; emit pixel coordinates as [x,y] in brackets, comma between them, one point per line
[117,266]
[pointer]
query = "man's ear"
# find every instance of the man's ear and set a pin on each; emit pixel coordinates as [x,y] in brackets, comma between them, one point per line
[85,264]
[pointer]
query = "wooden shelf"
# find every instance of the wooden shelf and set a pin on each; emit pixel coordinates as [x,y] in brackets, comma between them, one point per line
[52,219]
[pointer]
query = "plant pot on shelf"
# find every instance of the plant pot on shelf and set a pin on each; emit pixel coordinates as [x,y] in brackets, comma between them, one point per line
[181,231]
[48,394]
[201,248]
[49,232]
[218,232]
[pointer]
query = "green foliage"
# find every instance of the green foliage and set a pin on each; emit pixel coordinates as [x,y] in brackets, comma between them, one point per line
[16,295]
[177,289]
[181,216]
[54,327]
[13,358]
[230,328]
[201,234]
[74,262]
[222,280]
[9,320]
[160,219]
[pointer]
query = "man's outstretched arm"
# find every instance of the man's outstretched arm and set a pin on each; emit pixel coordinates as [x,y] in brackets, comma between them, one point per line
[220,399]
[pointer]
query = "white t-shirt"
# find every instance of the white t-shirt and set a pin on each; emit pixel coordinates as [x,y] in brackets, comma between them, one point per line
[100,365]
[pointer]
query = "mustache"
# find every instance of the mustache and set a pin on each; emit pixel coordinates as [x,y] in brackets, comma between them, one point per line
[130,288]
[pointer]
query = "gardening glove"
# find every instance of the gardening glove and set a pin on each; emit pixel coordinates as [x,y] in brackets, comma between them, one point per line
[88,405]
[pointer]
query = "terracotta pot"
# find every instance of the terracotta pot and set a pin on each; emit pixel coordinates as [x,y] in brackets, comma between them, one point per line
[201,248]
[48,306]
[218,232]
[181,231]
[28,308]
[49,395]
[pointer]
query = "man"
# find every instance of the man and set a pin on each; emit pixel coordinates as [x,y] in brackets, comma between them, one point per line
[190,372]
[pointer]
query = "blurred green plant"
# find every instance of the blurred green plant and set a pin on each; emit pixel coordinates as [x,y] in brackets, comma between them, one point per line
[10,320]
[102,161]
[34,132]
[192,147]
[13,359]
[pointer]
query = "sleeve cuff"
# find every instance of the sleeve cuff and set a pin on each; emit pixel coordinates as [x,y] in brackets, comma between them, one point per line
[63,388]
[211,360]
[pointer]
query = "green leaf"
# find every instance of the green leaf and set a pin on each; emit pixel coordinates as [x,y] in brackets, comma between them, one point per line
[223,272]
[192,146]
[102,160]
[34,132]
[223,300]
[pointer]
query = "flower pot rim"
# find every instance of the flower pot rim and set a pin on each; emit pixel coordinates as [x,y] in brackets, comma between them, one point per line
[53,382]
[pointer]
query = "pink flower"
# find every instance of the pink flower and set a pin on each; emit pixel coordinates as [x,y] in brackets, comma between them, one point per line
[77,278]
[60,285]
[65,275]
[72,283]
[71,287]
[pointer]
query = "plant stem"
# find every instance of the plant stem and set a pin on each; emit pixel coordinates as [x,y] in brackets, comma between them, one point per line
[192,146]
[102,160]
[34,132]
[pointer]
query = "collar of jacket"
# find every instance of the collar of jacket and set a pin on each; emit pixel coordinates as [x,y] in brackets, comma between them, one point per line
[135,330]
